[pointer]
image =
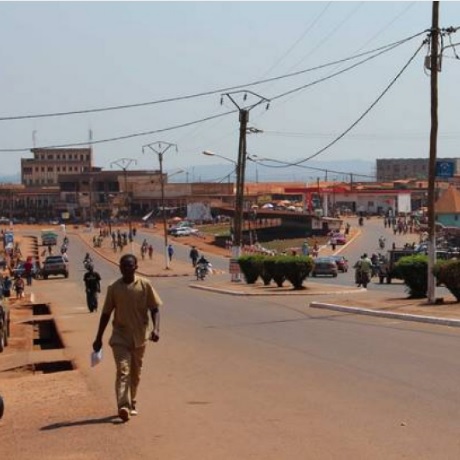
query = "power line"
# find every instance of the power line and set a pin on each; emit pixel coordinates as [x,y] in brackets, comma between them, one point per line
[334,74]
[329,35]
[355,123]
[191,123]
[310,27]
[128,136]
[287,164]
[204,93]
[364,137]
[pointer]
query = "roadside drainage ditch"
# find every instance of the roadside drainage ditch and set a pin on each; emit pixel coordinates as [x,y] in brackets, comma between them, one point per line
[45,337]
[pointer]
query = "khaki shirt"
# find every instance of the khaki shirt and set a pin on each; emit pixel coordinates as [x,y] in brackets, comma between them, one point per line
[131,304]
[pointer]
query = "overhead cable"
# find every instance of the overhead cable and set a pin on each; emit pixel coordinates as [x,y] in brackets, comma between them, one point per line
[363,115]
[127,136]
[204,93]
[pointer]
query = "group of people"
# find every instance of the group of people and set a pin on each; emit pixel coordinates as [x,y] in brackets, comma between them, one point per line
[8,284]
[146,249]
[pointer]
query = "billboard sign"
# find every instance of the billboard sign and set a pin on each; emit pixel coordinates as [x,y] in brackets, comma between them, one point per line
[445,169]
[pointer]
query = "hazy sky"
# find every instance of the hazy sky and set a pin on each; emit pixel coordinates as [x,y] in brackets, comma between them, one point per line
[72,56]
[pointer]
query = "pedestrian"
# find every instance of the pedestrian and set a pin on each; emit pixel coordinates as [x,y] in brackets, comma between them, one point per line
[150,251]
[92,281]
[19,287]
[131,298]
[7,285]
[28,266]
[194,255]
[170,252]
[333,241]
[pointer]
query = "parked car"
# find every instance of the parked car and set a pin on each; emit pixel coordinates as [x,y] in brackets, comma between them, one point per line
[340,238]
[4,325]
[184,224]
[19,269]
[342,263]
[183,231]
[55,265]
[324,266]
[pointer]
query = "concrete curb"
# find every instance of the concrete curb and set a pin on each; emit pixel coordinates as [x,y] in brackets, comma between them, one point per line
[387,314]
[286,293]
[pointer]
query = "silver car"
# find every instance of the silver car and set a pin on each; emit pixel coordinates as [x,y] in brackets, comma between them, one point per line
[324,266]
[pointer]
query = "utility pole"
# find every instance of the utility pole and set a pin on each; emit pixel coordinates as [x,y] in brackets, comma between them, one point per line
[124,164]
[240,172]
[160,148]
[434,64]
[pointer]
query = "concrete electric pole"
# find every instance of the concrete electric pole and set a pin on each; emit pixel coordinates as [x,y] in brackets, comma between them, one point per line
[434,68]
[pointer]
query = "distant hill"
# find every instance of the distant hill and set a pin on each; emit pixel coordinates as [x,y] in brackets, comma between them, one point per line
[309,172]
[338,170]
[11,179]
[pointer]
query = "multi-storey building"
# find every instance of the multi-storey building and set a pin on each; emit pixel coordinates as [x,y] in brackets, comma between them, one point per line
[48,164]
[390,169]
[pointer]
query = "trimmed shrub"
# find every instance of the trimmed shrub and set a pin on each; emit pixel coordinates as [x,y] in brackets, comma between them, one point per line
[414,272]
[447,272]
[251,267]
[268,264]
[271,269]
[295,269]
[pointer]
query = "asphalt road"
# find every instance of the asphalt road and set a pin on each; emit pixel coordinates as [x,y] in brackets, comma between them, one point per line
[268,378]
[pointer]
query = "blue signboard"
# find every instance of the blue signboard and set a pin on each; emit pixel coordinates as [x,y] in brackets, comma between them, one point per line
[445,169]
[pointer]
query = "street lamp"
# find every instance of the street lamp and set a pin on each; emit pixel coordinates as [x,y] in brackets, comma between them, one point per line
[160,148]
[124,164]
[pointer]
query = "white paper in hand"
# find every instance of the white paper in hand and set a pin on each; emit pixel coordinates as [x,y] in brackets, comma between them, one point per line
[96,357]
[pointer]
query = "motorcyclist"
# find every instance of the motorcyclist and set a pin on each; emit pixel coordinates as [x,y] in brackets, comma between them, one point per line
[87,261]
[363,269]
[202,267]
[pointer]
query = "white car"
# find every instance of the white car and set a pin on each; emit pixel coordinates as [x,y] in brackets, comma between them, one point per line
[183,231]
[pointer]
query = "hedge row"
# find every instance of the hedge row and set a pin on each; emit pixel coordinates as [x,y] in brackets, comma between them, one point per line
[294,269]
[414,272]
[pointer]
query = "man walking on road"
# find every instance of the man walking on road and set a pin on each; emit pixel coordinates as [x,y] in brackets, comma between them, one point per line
[194,255]
[92,281]
[131,298]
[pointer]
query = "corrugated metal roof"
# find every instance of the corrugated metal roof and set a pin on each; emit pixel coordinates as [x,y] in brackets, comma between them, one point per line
[448,202]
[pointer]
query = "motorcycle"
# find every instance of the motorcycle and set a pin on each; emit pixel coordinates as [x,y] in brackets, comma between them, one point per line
[88,263]
[202,269]
[363,278]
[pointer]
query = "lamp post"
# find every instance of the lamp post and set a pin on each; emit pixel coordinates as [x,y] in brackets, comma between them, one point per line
[160,148]
[124,164]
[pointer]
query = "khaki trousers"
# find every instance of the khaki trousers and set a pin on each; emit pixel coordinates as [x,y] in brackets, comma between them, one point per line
[128,362]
